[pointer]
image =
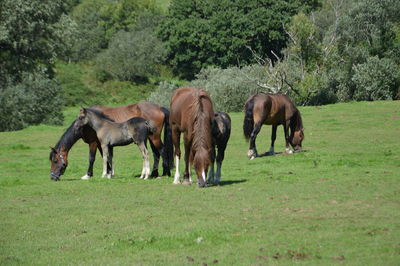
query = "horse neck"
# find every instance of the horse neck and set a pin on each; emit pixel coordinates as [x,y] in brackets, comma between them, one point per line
[96,122]
[68,139]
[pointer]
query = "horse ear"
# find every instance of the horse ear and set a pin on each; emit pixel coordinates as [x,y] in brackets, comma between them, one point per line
[53,150]
[82,110]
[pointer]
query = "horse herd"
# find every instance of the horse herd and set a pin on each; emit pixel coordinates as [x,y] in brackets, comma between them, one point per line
[191,112]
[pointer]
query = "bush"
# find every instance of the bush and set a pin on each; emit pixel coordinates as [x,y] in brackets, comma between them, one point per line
[162,95]
[34,100]
[376,79]
[229,88]
[131,56]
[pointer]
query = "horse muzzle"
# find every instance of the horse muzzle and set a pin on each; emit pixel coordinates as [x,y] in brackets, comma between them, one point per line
[54,176]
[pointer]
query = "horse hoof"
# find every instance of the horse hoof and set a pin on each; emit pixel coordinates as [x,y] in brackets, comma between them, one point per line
[85,177]
[176,183]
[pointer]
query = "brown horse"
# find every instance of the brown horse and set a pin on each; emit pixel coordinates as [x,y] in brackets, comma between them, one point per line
[272,109]
[159,117]
[192,113]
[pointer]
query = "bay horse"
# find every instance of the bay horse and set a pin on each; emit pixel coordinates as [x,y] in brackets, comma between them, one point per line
[272,109]
[221,131]
[110,134]
[192,113]
[159,117]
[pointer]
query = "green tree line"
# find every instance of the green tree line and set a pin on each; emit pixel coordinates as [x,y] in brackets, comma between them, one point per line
[316,51]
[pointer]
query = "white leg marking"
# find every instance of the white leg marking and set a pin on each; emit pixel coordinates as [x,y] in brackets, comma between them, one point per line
[177,176]
[288,150]
[85,177]
[204,176]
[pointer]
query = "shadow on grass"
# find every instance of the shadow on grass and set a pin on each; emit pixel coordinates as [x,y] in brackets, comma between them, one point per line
[278,153]
[228,182]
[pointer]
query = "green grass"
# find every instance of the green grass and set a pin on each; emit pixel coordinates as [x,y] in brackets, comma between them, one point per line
[337,202]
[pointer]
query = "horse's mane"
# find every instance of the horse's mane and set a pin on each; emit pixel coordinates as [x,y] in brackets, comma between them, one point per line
[69,138]
[100,114]
[201,142]
[297,121]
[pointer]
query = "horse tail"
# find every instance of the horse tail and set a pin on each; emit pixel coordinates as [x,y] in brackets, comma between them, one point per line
[248,122]
[168,147]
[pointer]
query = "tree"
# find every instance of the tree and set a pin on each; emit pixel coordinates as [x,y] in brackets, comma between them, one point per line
[198,34]
[31,37]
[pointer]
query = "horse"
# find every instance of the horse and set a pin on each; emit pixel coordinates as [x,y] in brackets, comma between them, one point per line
[221,131]
[159,117]
[272,109]
[110,134]
[192,113]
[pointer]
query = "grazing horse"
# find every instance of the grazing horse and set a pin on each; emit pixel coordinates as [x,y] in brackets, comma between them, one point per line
[221,131]
[159,117]
[111,134]
[272,109]
[192,113]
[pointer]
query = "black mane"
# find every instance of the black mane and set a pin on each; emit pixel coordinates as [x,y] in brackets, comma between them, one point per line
[100,114]
[69,137]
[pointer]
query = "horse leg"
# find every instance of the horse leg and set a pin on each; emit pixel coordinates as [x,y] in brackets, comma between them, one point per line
[110,170]
[220,158]
[92,158]
[273,138]
[176,136]
[286,130]
[252,153]
[146,164]
[211,171]
[187,176]
[105,160]
[156,156]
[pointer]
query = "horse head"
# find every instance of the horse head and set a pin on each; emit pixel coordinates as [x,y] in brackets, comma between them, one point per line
[59,162]
[296,139]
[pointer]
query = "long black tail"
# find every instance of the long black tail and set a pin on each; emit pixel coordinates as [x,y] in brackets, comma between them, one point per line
[248,122]
[168,147]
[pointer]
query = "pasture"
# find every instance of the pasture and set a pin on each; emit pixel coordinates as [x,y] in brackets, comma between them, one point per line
[336,202]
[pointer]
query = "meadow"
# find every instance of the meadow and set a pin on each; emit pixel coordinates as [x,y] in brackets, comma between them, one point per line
[338,202]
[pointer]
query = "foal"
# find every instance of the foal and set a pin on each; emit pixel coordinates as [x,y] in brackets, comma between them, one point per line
[111,134]
[221,131]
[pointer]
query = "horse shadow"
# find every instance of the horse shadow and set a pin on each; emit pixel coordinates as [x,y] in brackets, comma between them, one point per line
[227,182]
[267,154]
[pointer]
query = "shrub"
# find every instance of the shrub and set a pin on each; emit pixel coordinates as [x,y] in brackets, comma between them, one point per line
[162,95]
[376,79]
[34,100]
[229,88]
[131,56]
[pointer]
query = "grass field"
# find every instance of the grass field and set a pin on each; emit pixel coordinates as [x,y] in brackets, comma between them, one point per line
[337,202]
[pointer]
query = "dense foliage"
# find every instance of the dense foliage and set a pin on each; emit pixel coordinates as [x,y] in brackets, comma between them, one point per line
[31,37]
[198,34]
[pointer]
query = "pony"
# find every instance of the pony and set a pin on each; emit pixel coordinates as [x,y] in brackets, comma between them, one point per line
[192,113]
[110,134]
[159,117]
[221,131]
[272,109]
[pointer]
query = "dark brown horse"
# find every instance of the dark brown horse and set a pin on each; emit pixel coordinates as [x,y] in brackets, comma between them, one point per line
[221,131]
[159,117]
[192,113]
[272,109]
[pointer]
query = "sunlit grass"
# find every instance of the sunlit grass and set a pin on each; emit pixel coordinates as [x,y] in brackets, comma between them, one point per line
[337,202]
